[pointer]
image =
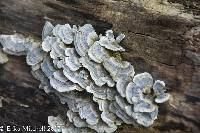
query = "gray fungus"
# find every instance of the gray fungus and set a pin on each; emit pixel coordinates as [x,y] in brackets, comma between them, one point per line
[86,72]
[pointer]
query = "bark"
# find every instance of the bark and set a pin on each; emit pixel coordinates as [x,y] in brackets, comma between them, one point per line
[162,38]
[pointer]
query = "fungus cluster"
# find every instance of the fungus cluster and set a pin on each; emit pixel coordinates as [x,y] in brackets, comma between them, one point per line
[86,72]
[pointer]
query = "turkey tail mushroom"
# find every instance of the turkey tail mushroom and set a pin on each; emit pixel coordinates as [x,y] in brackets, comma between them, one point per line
[86,71]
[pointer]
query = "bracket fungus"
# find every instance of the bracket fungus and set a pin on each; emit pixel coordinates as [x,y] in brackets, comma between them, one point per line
[86,72]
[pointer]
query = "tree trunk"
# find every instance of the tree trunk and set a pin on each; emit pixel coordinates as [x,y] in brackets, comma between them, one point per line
[162,38]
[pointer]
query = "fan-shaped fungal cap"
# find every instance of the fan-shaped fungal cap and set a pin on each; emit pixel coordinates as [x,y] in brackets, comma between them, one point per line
[162,98]
[35,56]
[121,85]
[108,118]
[87,111]
[60,76]
[159,91]
[31,43]
[63,86]
[145,119]
[98,53]
[36,67]
[76,77]
[57,50]
[144,106]
[101,92]
[81,38]
[97,72]
[129,110]
[47,67]
[158,87]
[13,44]
[54,55]
[143,80]
[47,30]
[64,32]
[48,42]
[103,104]
[72,59]
[133,94]
[118,69]
[121,102]
[110,43]
[115,108]
[92,37]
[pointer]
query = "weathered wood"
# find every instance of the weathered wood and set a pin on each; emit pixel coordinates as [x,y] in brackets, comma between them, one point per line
[162,37]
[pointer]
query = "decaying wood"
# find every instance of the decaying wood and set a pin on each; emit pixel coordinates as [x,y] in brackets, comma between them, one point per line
[162,37]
